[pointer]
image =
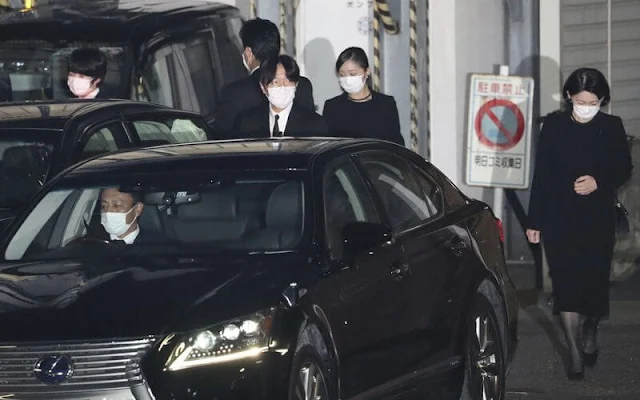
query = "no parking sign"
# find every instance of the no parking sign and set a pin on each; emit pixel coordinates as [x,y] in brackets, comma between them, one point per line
[499,134]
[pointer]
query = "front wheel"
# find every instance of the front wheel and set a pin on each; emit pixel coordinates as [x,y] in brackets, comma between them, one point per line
[485,369]
[310,377]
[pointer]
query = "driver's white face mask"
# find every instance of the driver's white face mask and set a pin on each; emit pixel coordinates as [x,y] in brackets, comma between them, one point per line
[116,223]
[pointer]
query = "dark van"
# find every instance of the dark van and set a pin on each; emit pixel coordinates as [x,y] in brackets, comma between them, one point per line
[175,53]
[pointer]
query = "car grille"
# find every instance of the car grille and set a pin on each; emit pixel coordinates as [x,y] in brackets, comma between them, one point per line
[97,365]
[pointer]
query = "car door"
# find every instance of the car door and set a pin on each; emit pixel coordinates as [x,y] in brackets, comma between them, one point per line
[371,299]
[421,229]
[157,128]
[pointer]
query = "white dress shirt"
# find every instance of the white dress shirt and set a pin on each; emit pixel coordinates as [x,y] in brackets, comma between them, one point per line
[282,121]
[130,238]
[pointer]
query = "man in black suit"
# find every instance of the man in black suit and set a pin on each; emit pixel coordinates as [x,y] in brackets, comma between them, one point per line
[281,115]
[87,69]
[261,41]
[119,212]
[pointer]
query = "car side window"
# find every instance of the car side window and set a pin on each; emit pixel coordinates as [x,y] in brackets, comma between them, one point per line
[158,131]
[432,192]
[399,190]
[345,200]
[102,140]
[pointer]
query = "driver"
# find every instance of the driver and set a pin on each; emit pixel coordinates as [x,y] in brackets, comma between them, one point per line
[119,216]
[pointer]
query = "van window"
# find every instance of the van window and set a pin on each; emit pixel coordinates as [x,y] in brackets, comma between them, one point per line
[227,34]
[37,70]
[181,75]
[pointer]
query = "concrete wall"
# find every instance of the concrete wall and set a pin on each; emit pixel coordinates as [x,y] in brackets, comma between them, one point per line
[465,36]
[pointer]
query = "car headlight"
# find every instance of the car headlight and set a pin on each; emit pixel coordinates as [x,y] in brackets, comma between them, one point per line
[232,340]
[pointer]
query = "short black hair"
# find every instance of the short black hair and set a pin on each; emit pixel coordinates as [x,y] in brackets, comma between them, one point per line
[587,79]
[269,67]
[355,54]
[262,36]
[88,61]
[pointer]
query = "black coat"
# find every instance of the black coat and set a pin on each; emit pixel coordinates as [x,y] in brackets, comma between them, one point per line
[302,122]
[375,119]
[245,94]
[572,224]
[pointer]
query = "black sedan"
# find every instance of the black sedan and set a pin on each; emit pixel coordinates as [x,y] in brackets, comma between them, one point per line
[40,139]
[261,269]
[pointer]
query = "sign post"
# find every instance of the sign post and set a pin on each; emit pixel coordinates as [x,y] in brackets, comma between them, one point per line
[499,134]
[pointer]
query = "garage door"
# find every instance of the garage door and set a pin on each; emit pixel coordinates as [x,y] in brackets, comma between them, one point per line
[605,34]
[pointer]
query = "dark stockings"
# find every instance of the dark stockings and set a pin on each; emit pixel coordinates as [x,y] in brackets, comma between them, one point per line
[571,326]
[590,335]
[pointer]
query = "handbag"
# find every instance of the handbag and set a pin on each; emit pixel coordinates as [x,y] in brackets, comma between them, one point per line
[622,220]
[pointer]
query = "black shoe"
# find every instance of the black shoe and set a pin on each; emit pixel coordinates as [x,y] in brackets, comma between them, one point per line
[590,359]
[575,376]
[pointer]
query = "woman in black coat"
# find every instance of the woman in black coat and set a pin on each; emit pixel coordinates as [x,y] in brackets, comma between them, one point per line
[360,112]
[583,157]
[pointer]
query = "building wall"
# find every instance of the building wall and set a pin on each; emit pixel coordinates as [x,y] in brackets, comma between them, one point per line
[465,36]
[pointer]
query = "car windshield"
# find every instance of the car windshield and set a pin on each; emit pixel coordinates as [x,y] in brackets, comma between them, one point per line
[37,70]
[25,157]
[164,214]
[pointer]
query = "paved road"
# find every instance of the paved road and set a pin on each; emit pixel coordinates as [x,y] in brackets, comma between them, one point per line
[538,369]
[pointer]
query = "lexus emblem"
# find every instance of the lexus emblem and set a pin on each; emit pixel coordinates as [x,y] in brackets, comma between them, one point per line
[53,369]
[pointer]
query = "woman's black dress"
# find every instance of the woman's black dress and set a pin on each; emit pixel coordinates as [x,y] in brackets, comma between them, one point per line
[578,231]
[374,119]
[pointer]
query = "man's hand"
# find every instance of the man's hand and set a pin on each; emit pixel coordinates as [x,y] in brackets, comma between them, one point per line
[585,185]
[533,236]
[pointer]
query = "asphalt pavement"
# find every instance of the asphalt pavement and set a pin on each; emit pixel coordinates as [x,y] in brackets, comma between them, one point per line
[538,370]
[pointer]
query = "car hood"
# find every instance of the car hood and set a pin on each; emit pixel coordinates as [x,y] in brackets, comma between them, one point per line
[83,300]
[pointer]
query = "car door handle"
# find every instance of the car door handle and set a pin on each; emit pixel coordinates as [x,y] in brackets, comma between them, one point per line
[458,246]
[399,270]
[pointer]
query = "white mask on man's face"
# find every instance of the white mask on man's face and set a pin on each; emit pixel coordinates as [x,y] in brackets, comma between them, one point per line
[585,112]
[116,223]
[352,84]
[281,96]
[244,61]
[79,86]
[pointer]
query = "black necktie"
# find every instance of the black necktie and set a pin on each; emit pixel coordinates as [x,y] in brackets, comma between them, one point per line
[276,128]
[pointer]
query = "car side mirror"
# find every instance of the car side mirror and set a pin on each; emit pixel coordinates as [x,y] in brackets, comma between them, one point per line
[364,236]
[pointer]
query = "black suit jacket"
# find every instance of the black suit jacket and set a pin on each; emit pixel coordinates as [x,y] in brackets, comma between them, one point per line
[245,94]
[302,122]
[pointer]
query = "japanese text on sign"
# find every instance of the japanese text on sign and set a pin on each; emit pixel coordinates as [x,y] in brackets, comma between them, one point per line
[499,131]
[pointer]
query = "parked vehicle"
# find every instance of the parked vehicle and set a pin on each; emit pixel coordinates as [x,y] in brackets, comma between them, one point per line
[175,53]
[281,269]
[40,139]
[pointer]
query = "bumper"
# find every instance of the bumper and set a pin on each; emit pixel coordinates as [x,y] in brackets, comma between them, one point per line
[265,377]
[137,392]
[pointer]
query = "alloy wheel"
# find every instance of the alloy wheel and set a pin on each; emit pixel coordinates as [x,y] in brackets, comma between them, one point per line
[486,358]
[311,384]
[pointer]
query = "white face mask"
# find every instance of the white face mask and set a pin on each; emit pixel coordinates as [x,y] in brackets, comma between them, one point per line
[585,112]
[352,84]
[79,86]
[244,61]
[282,96]
[116,223]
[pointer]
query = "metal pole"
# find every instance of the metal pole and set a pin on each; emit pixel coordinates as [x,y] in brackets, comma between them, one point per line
[498,193]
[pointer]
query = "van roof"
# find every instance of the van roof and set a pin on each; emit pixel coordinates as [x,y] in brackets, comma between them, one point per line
[104,20]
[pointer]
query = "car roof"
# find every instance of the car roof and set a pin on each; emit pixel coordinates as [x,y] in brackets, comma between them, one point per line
[103,20]
[57,112]
[274,153]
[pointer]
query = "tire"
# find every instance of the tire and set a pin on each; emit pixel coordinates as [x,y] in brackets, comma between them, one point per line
[485,361]
[311,377]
